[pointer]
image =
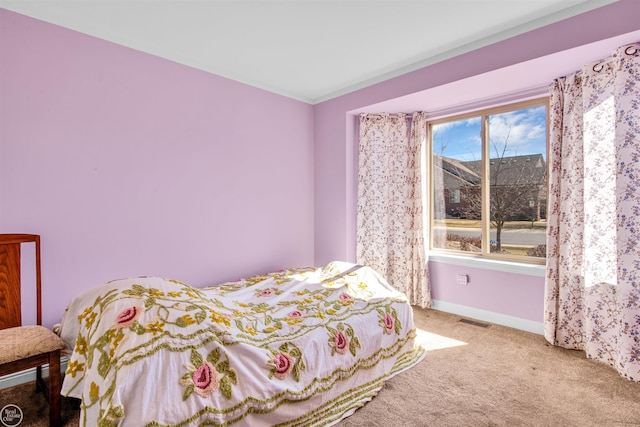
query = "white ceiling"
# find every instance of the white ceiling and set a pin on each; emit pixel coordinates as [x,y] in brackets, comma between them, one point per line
[311,50]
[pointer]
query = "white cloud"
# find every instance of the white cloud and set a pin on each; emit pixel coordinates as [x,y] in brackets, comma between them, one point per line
[521,131]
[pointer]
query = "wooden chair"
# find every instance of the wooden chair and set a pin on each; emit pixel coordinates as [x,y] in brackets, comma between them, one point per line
[26,347]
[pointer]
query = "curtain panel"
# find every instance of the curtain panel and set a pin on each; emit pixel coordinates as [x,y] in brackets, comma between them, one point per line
[390,232]
[592,287]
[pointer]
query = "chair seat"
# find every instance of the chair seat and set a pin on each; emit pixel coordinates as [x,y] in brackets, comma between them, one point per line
[22,342]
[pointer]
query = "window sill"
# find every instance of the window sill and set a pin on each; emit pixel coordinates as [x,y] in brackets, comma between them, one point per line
[489,264]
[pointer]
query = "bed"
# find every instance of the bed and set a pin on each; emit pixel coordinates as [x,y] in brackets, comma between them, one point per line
[299,347]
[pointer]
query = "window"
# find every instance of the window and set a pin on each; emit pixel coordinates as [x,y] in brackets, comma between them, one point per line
[454,195]
[489,182]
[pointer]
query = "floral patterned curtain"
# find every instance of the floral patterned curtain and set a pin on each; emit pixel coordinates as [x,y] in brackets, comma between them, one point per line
[592,292]
[390,207]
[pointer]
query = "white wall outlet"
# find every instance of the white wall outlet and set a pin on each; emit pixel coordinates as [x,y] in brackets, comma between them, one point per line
[462,279]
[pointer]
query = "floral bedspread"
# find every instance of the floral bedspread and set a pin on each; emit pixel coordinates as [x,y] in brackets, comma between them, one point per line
[293,348]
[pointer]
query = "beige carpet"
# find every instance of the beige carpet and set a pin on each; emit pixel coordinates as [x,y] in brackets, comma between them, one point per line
[472,376]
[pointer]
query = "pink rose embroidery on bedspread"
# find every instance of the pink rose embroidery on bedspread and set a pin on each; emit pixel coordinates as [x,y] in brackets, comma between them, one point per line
[345,300]
[283,364]
[343,338]
[205,379]
[389,320]
[267,292]
[128,316]
[286,360]
[207,376]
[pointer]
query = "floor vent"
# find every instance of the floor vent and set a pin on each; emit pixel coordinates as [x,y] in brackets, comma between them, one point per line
[474,323]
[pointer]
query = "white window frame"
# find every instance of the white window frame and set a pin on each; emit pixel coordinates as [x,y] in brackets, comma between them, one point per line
[506,262]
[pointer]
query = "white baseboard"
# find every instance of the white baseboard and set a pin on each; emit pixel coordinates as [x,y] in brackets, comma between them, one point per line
[490,316]
[29,375]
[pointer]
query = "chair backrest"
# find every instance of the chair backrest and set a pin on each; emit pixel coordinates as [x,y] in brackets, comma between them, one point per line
[10,282]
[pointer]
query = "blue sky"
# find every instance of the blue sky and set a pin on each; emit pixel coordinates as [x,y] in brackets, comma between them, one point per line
[513,133]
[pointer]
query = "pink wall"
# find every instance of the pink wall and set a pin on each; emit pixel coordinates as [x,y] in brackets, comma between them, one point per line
[128,164]
[436,86]
[510,294]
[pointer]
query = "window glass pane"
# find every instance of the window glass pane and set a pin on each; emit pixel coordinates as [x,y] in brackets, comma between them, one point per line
[457,146]
[518,178]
